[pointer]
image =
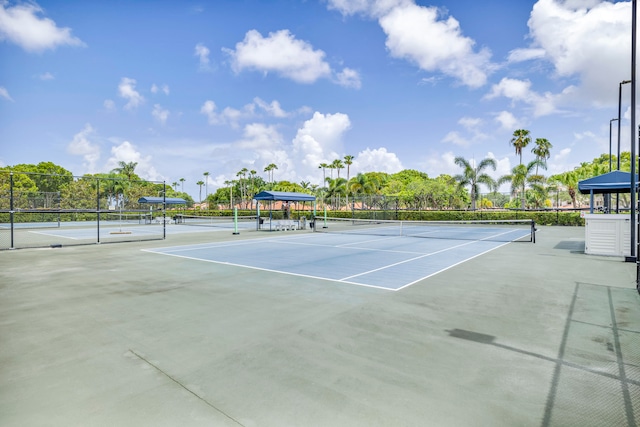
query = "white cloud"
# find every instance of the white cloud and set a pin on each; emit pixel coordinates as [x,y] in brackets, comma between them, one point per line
[127,152]
[470,123]
[46,76]
[109,105]
[588,40]
[202,52]
[4,93]
[417,33]
[82,146]
[507,121]
[127,90]
[455,138]
[520,90]
[503,166]
[371,8]
[273,109]
[164,89]
[377,160]
[22,25]
[319,140]
[230,116]
[281,53]
[160,114]
[521,55]
[349,78]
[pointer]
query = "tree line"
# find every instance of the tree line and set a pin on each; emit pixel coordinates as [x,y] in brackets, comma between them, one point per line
[410,189]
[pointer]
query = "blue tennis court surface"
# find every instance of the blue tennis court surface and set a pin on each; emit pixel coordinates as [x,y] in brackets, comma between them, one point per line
[385,262]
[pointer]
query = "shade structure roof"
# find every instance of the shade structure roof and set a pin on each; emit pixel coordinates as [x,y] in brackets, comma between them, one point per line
[612,182]
[160,200]
[284,196]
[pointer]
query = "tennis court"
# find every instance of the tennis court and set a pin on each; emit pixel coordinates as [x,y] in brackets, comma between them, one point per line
[115,227]
[268,329]
[377,255]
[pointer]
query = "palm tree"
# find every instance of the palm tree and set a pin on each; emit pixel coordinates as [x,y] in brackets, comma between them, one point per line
[127,169]
[520,140]
[242,174]
[570,181]
[348,160]
[521,175]
[542,150]
[200,184]
[324,167]
[472,176]
[269,169]
[337,164]
[175,186]
[182,180]
[206,185]
[336,188]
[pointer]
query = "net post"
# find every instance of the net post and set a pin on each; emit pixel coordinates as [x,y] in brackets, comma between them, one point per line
[235,221]
[11,206]
[164,210]
[533,231]
[325,218]
[98,210]
[257,215]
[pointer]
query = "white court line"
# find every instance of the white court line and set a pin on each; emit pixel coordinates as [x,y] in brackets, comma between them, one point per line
[433,253]
[355,247]
[451,266]
[409,260]
[63,237]
[273,271]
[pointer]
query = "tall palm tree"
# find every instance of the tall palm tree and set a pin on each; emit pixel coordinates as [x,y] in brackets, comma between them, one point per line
[324,167]
[337,164]
[206,185]
[269,169]
[474,175]
[521,175]
[175,186]
[348,160]
[520,140]
[126,169]
[200,184]
[542,150]
[242,174]
[182,180]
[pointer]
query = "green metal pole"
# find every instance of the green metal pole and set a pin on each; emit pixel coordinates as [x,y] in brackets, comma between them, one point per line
[235,221]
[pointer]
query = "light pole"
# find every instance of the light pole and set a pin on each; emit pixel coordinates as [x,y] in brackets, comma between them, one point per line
[624,82]
[633,187]
[608,196]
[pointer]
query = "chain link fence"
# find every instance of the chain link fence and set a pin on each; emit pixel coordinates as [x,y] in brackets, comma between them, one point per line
[39,210]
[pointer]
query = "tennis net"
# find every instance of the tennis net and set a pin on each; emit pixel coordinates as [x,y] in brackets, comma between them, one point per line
[125,218]
[491,230]
[215,221]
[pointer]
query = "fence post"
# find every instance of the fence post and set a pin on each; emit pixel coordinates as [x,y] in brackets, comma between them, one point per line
[11,206]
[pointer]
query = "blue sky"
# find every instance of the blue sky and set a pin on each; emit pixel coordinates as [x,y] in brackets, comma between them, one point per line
[184,88]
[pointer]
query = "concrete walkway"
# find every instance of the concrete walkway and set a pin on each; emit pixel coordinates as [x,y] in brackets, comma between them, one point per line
[526,335]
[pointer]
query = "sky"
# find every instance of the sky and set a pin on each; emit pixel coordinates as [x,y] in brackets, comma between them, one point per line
[188,87]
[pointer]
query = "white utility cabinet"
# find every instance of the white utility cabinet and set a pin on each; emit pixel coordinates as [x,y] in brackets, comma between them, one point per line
[607,234]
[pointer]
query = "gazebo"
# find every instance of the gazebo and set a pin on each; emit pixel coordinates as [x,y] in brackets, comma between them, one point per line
[608,183]
[282,196]
[608,234]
